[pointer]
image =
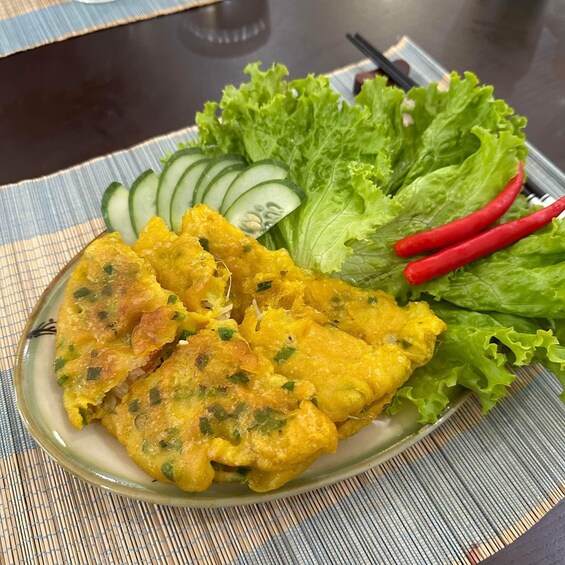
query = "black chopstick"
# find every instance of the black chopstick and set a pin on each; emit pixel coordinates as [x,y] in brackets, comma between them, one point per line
[531,188]
[384,64]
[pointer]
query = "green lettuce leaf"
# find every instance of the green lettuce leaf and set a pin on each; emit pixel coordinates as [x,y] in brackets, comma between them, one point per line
[474,353]
[527,278]
[432,200]
[431,127]
[336,153]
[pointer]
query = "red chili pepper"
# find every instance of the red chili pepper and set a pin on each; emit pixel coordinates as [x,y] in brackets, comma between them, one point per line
[465,227]
[474,248]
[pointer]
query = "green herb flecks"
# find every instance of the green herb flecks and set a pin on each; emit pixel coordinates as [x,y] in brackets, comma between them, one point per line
[167,470]
[289,385]
[267,420]
[206,426]
[93,373]
[264,285]
[173,299]
[109,269]
[284,354]
[204,243]
[239,378]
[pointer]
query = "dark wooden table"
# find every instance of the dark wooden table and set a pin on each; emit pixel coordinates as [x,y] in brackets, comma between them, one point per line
[67,102]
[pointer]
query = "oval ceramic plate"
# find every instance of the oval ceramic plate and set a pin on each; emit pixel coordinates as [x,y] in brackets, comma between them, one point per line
[94,456]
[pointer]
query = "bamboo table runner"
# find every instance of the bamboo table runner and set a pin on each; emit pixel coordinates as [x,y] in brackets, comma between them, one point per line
[25,24]
[464,492]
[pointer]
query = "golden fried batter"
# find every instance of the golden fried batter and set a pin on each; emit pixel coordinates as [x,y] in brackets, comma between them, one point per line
[257,273]
[183,266]
[114,320]
[214,409]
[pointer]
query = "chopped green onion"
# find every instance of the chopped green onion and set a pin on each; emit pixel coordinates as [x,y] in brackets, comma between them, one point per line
[226,333]
[62,380]
[284,354]
[59,363]
[82,292]
[185,334]
[267,420]
[264,285]
[239,378]
[205,426]
[218,411]
[154,396]
[133,406]
[167,470]
[93,373]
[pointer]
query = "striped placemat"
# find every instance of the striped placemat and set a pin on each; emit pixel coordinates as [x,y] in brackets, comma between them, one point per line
[461,494]
[25,24]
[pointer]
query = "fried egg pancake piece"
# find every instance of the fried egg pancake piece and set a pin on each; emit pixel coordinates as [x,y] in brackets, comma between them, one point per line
[257,272]
[114,319]
[348,373]
[216,402]
[184,267]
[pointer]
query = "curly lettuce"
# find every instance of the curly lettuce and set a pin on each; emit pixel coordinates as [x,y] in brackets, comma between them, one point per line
[475,353]
[336,153]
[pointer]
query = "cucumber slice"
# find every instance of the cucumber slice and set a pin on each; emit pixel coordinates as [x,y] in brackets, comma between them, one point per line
[174,169]
[143,199]
[256,173]
[219,185]
[184,192]
[262,206]
[115,211]
[216,166]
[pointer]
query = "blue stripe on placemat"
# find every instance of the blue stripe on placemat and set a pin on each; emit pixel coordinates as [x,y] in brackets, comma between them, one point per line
[14,437]
[48,201]
[71,18]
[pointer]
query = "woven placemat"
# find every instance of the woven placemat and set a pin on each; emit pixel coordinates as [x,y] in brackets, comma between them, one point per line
[25,24]
[464,492]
